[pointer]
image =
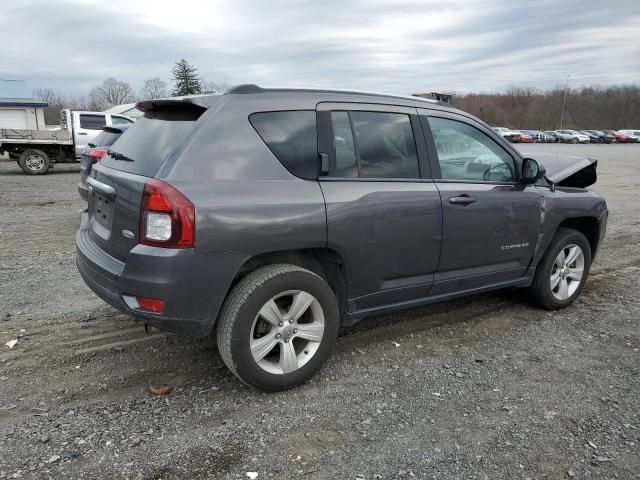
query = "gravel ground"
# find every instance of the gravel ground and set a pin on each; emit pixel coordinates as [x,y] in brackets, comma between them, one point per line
[486,387]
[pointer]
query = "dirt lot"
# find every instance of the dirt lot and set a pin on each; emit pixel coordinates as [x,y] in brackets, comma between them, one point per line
[486,387]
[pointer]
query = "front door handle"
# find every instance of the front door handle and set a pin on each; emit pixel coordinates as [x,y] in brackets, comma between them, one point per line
[462,200]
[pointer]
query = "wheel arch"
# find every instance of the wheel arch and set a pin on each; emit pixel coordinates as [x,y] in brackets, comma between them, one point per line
[588,226]
[324,262]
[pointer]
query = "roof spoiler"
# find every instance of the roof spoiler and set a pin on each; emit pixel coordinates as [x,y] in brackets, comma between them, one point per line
[195,101]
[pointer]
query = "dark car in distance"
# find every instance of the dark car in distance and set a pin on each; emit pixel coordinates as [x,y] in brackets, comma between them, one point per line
[605,137]
[94,152]
[551,136]
[593,138]
[271,217]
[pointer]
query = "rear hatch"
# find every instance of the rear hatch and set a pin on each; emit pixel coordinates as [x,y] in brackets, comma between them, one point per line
[117,183]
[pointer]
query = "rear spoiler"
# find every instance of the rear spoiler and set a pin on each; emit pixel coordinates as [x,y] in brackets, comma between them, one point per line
[112,129]
[194,101]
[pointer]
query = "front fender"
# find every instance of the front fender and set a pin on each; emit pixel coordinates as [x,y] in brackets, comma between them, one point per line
[570,207]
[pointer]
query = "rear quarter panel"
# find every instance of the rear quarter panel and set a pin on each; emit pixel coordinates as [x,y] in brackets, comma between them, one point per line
[246,200]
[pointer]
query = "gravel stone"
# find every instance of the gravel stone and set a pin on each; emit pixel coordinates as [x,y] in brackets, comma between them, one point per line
[566,378]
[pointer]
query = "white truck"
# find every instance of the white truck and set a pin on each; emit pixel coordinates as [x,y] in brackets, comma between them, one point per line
[37,150]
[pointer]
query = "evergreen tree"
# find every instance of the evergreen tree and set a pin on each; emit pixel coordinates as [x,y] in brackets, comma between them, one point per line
[186,78]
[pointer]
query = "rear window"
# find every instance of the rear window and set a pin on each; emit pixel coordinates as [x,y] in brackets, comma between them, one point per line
[150,140]
[92,122]
[105,139]
[291,136]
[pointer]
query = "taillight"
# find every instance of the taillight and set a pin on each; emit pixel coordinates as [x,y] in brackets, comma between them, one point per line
[167,217]
[98,153]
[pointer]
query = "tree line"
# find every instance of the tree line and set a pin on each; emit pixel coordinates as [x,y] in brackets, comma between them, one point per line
[601,108]
[112,92]
[613,107]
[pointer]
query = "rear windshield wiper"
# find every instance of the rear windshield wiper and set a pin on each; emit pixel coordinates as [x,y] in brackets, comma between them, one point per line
[119,156]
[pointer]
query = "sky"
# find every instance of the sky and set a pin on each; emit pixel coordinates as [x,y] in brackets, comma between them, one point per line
[387,46]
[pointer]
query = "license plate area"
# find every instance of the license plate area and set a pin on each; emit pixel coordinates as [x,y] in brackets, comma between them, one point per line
[101,214]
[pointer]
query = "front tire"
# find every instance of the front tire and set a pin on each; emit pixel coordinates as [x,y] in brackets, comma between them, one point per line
[277,327]
[34,162]
[562,271]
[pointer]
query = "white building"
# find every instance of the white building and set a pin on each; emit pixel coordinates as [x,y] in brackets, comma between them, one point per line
[128,109]
[18,108]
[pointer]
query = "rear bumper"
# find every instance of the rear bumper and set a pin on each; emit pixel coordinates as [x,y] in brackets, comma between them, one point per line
[192,286]
[83,191]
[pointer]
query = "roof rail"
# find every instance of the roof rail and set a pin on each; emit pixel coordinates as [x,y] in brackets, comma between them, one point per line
[252,88]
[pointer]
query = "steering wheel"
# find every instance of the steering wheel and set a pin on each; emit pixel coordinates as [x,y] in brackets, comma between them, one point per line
[500,170]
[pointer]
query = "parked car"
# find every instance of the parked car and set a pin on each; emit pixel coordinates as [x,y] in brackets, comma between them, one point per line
[571,136]
[606,137]
[274,216]
[94,152]
[536,135]
[511,135]
[36,151]
[634,134]
[524,137]
[593,138]
[551,136]
[620,137]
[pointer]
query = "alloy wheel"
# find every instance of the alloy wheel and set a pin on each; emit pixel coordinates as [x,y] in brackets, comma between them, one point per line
[287,332]
[567,272]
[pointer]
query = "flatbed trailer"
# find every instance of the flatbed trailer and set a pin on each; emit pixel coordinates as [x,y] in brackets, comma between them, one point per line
[36,151]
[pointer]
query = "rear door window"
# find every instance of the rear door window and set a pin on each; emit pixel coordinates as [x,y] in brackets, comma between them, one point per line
[345,150]
[291,136]
[383,147]
[147,143]
[92,122]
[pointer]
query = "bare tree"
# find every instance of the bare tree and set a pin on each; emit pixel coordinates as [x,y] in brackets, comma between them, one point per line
[153,88]
[110,93]
[57,100]
[77,102]
[611,107]
[55,103]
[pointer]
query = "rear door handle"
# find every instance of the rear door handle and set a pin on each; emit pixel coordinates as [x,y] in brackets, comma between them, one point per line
[462,200]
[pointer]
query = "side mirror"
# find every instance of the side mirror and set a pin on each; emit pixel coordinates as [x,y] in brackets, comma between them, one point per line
[532,171]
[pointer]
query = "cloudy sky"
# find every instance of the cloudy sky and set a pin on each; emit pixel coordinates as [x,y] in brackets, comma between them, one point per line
[402,46]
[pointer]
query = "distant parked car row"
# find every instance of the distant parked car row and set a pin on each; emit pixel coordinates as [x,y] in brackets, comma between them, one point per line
[569,136]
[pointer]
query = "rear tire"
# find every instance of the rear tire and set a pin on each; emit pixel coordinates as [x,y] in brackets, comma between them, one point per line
[574,140]
[277,327]
[34,162]
[562,271]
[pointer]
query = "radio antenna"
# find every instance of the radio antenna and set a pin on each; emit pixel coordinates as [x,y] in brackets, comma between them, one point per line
[564,102]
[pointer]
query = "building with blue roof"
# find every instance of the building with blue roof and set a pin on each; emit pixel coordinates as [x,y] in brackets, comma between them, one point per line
[18,108]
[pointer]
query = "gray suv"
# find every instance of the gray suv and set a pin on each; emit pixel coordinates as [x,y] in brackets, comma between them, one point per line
[271,217]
